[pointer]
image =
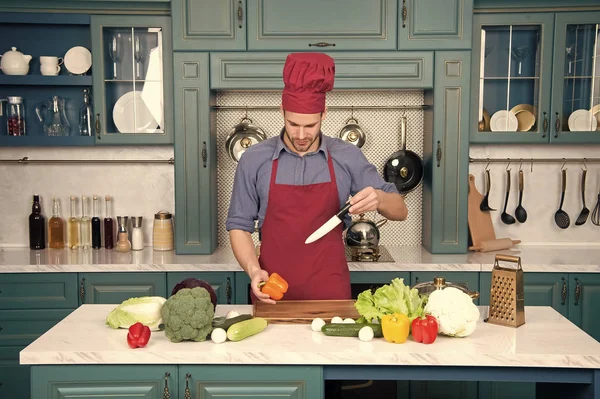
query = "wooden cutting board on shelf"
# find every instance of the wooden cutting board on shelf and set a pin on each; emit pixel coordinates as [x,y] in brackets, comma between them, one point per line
[480,222]
[303,312]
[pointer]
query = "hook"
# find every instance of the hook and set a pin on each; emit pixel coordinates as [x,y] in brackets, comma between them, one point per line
[508,164]
[246,117]
[584,165]
[487,166]
[531,165]
[564,163]
[352,112]
[521,164]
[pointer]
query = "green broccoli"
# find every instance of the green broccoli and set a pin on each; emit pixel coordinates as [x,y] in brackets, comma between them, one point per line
[188,315]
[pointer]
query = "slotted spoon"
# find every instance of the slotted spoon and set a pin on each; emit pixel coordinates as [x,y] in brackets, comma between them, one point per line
[561,217]
[583,215]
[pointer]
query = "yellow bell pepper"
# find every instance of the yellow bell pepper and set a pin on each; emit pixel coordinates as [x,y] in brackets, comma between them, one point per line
[395,327]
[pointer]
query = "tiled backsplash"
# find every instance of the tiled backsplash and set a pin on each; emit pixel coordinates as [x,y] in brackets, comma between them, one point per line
[541,194]
[136,189]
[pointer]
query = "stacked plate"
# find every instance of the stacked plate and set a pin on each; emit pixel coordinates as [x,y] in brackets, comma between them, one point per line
[520,118]
[583,120]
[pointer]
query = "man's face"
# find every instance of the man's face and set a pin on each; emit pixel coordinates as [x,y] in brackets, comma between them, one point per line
[302,131]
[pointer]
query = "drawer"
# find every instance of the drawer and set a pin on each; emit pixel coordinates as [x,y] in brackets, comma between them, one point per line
[14,378]
[22,327]
[38,291]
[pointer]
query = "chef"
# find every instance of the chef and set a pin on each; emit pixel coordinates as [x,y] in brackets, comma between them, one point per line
[295,182]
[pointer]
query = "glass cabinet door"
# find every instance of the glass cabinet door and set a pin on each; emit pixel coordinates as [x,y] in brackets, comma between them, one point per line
[511,71]
[576,95]
[131,80]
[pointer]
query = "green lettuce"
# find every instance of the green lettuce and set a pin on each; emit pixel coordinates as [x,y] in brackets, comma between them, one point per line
[390,298]
[146,310]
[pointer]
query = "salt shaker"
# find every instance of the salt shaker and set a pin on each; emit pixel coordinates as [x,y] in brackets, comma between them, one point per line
[137,237]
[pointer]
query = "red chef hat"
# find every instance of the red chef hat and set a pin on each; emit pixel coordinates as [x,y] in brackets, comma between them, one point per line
[307,77]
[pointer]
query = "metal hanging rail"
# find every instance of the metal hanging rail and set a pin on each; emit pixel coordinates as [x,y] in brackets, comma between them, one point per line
[27,161]
[534,160]
[332,107]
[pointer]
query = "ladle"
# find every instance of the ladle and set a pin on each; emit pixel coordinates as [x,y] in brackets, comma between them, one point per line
[505,217]
[520,212]
[484,206]
[561,217]
[583,215]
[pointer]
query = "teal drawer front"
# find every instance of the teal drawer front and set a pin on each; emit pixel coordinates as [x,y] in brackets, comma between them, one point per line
[9,355]
[15,382]
[114,288]
[22,327]
[222,283]
[38,291]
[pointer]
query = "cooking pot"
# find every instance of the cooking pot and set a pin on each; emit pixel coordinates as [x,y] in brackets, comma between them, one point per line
[364,233]
[404,168]
[353,133]
[243,136]
[440,283]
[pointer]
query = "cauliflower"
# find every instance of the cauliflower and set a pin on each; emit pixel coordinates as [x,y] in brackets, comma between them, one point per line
[454,310]
[188,315]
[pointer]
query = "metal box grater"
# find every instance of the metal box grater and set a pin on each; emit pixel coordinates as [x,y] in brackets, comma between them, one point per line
[507,294]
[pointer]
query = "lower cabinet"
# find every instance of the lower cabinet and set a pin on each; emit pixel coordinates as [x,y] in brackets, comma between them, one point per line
[14,378]
[114,288]
[222,283]
[443,390]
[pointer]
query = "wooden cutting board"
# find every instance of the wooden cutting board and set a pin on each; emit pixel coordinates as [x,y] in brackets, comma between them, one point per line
[480,222]
[303,312]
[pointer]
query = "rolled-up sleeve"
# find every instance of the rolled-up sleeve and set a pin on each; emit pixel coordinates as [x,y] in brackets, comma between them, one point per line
[365,174]
[243,208]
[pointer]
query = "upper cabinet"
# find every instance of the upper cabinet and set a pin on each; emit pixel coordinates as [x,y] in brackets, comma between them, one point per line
[536,78]
[435,24]
[132,79]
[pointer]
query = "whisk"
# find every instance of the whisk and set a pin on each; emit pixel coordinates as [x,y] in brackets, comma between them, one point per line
[596,211]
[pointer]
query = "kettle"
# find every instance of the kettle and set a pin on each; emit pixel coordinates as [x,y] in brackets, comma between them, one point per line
[364,233]
[440,283]
[14,62]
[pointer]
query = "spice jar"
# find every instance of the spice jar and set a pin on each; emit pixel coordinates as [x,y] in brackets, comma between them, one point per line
[123,243]
[15,116]
[137,237]
[162,233]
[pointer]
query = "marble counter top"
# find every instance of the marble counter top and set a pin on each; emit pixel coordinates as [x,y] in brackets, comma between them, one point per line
[564,259]
[547,339]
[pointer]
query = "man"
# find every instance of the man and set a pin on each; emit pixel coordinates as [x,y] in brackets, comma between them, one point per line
[294,183]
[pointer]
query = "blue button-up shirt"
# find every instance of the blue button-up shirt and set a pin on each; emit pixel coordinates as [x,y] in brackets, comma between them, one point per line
[250,195]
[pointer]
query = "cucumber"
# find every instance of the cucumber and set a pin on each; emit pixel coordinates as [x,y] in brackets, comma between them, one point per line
[222,322]
[246,328]
[349,330]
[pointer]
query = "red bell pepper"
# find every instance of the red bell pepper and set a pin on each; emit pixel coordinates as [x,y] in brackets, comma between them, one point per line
[425,329]
[275,286]
[138,335]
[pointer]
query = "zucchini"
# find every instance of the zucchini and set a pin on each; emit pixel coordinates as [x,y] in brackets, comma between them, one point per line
[246,328]
[222,322]
[349,330]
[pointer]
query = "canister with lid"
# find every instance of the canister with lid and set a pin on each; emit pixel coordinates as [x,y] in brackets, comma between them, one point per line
[162,233]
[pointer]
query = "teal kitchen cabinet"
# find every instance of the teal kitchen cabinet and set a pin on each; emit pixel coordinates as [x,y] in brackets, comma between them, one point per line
[221,282]
[114,288]
[584,302]
[290,25]
[446,155]
[195,157]
[435,24]
[140,382]
[224,381]
[14,378]
[22,327]
[353,70]
[132,79]
[468,280]
[207,25]
[38,291]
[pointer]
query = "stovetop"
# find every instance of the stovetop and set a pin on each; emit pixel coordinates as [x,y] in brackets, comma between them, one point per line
[376,254]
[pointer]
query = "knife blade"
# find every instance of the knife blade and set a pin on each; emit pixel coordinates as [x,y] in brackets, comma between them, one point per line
[329,225]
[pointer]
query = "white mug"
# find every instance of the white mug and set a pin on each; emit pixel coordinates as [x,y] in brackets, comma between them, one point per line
[50,65]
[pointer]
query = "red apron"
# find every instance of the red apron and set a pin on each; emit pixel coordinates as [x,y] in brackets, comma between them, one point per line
[314,271]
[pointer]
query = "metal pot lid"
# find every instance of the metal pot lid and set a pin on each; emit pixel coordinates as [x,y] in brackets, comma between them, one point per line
[440,283]
[353,133]
[243,136]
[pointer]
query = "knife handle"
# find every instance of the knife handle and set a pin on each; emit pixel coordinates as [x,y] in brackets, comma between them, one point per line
[344,210]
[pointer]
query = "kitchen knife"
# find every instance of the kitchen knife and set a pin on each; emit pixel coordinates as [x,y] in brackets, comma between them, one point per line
[329,225]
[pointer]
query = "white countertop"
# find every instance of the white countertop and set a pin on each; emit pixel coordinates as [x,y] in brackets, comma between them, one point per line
[564,259]
[547,339]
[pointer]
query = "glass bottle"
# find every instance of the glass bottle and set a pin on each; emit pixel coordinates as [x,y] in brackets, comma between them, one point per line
[109,236]
[56,227]
[15,116]
[85,115]
[37,225]
[85,225]
[96,236]
[137,236]
[73,227]
[123,243]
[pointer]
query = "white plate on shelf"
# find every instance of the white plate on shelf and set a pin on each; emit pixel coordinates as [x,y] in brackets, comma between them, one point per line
[131,115]
[78,60]
[504,121]
[582,120]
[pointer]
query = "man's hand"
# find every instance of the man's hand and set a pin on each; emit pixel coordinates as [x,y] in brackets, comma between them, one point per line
[364,201]
[258,277]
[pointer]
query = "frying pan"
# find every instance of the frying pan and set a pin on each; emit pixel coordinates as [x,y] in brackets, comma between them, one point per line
[404,168]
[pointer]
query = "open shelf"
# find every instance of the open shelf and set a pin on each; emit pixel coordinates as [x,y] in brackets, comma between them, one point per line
[41,80]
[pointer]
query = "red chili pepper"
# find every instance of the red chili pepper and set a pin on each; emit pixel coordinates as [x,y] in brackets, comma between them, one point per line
[138,335]
[275,286]
[425,329]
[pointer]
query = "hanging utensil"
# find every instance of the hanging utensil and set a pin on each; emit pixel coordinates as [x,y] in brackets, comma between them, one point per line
[404,168]
[484,206]
[520,212]
[583,215]
[243,136]
[352,132]
[561,217]
[596,212]
[505,217]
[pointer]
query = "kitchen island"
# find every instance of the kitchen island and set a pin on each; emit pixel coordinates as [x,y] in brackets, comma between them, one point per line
[82,356]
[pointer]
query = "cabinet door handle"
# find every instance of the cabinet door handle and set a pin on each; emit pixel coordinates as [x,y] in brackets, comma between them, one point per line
[404,13]
[545,125]
[577,291]
[82,290]
[321,44]
[563,294]
[240,14]
[557,125]
[228,290]
[187,394]
[204,154]
[98,127]
[1,328]
[166,393]
[438,154]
